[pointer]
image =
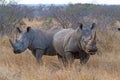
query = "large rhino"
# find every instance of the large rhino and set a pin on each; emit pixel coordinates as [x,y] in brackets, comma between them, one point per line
[38,41]
[73,44]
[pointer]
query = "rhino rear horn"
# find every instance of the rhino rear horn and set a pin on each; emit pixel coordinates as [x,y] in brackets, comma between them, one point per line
[12,44]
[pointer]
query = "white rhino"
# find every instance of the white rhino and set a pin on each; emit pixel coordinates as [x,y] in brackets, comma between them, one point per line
[73,44]
[36,40]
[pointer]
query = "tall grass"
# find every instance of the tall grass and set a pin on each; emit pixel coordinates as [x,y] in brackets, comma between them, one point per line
[105,65]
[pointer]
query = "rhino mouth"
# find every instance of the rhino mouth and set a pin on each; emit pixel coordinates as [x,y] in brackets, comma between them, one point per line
[91,52]
[17,51]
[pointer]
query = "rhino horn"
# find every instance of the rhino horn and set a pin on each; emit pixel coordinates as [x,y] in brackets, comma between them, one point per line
[19,30]
[94,36]
[13,45]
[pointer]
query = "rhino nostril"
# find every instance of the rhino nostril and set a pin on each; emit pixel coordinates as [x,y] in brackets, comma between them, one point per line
[95,49]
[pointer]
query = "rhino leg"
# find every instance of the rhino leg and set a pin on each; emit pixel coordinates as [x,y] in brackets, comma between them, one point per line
[84,58]
[39,54]
[67,59]
[62,60]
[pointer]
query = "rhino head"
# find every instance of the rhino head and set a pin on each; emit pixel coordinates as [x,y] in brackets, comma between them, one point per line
[87,38]
[22,42]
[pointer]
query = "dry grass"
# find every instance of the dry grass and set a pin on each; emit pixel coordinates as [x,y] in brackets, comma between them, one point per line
[103,66]
[41,23]
[33,23]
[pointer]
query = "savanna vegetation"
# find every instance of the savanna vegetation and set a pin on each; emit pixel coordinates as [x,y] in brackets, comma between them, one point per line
[105,65]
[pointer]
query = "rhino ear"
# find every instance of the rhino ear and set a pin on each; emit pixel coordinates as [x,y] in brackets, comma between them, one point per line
[19,30]
[28,29]
[118,29]
[80,26]
[93,25]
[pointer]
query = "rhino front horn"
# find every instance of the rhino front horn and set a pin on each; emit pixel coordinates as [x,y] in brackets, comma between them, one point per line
[94,37]
[12,43]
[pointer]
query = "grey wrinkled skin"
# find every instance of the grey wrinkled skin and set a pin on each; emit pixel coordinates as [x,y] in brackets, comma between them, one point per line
[73,44]
[38,41]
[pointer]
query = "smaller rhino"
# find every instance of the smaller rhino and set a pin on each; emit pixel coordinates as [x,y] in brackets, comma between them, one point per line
[36,40]
[73,44]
